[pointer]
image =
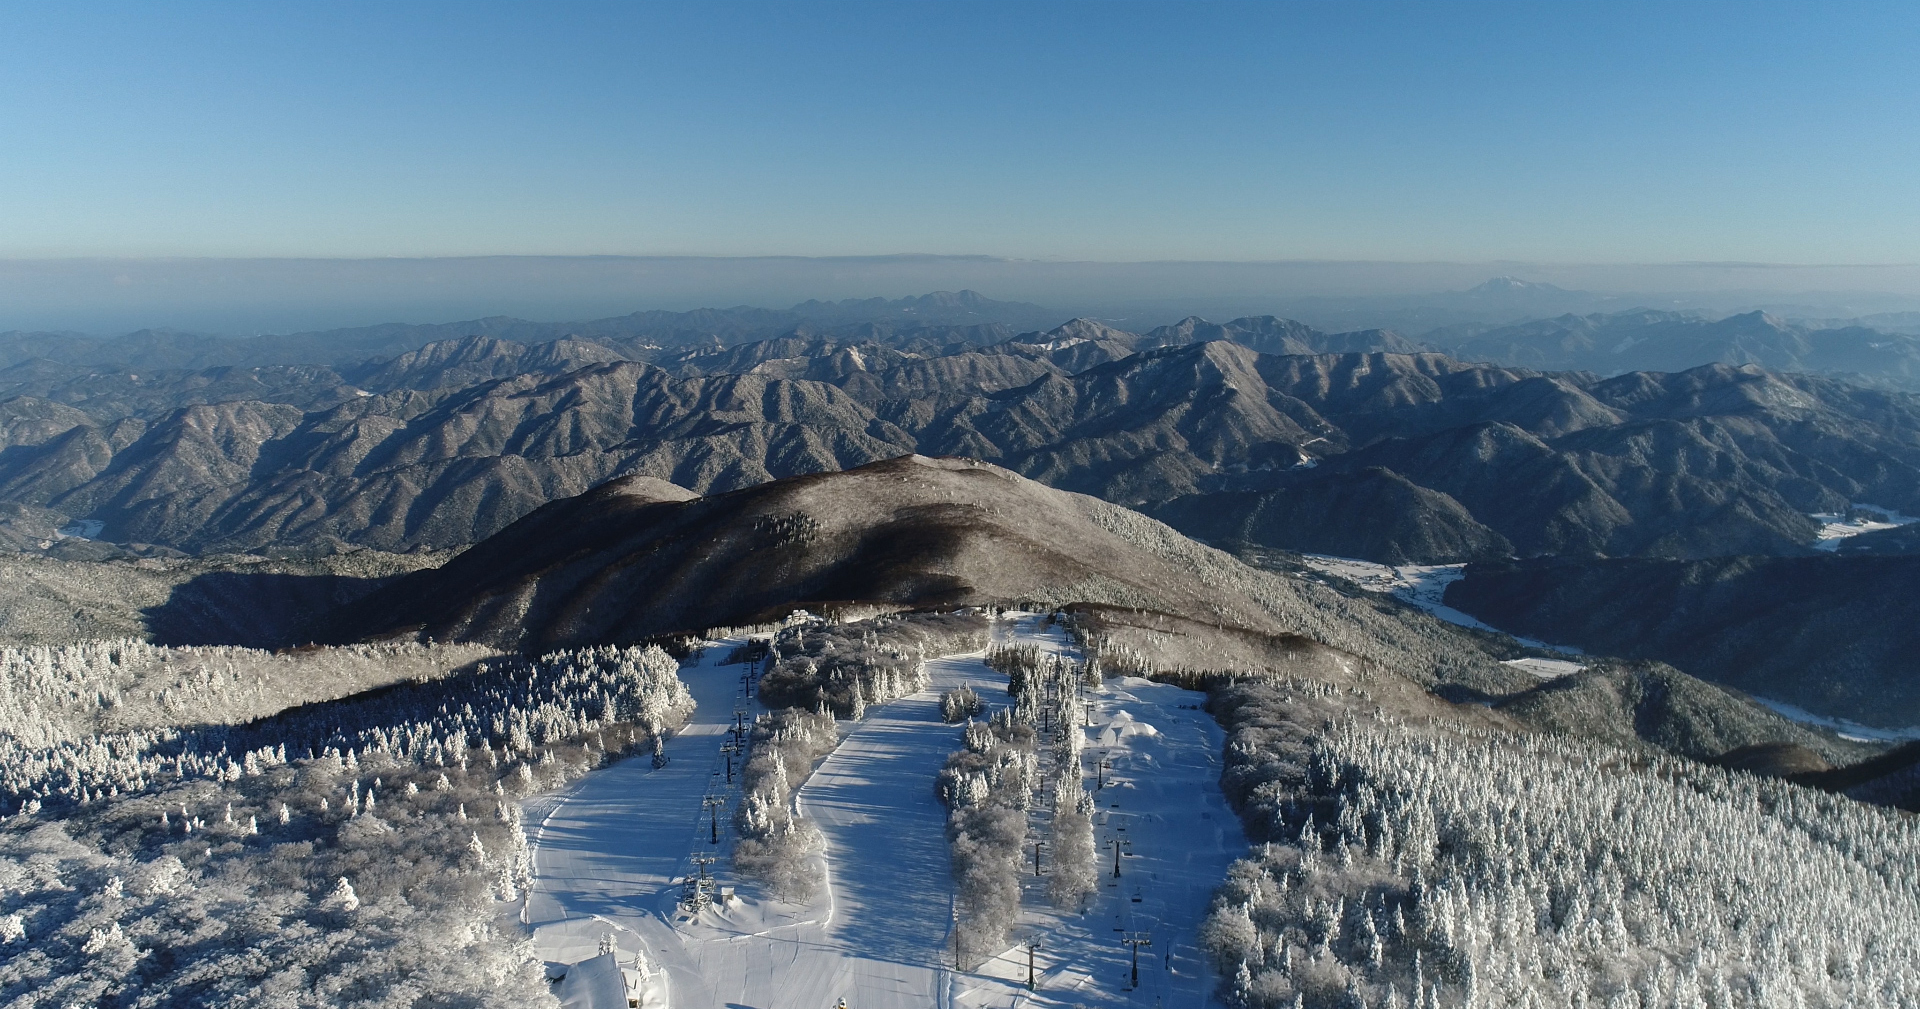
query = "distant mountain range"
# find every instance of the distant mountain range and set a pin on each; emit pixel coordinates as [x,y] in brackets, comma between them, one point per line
[1258,430]
[153,349]
[1498,301]
[1645,340]
[1259,433]
[1342,443]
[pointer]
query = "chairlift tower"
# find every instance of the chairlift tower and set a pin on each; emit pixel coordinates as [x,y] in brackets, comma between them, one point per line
[697,892]
[1137,940]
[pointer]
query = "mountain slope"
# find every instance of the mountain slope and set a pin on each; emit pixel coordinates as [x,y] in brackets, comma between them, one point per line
[472,434]
[615,565]
[627,561]
[1268,334]
[619,564]
[475,359]
[1835,635]
[1371,512]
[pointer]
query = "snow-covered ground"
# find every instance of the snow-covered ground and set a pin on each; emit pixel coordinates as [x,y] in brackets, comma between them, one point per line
[1162,802]
[1546,669]
[80,529]
[1836,527]
[1422,585]
[610,851]
[1847,729]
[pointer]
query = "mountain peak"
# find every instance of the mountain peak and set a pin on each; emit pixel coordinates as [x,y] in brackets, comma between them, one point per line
[628,561]
[1513,285]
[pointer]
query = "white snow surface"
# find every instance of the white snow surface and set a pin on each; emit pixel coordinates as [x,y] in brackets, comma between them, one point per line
[1847,729]
[609,853]
[1836,527]
[1162,801]
[80,529]
[595,982]
[1546,669]
[1422,585]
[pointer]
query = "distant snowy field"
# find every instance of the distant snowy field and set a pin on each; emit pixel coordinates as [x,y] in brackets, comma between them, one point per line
[1838,527]
[1847,729]
[1546,669]
[1425,585]
[610,852]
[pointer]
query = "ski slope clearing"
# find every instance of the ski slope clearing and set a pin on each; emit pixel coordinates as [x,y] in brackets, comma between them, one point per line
[881,938]
[886,842]
[1158,799]
[611,852]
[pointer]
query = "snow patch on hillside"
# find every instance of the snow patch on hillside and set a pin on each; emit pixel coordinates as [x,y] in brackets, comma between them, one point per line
[1837,527]
[1546,669]
[1846,729]
[1421,585]
[80,529]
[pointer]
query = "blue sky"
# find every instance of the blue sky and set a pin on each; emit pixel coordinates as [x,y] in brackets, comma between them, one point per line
[1561,132]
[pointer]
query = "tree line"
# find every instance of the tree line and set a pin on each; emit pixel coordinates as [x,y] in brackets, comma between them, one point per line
[1436,865]
[228,865]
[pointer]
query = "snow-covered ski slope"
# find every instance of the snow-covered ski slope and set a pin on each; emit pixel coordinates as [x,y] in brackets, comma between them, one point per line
[1162,802]
[609,855]
[609,851]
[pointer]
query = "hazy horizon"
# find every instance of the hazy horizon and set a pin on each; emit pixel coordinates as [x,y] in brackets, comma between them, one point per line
[100,296]
[266,168]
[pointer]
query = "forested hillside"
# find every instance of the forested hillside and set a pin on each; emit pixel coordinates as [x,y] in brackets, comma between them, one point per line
[1829,634]
[179,827]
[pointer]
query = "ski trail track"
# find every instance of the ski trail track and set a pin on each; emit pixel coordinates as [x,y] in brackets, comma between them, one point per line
[608,855]
[611,851]
[886,830]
